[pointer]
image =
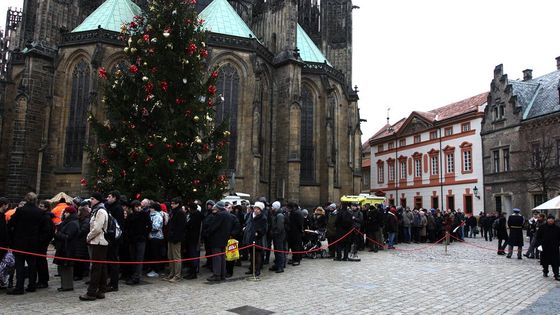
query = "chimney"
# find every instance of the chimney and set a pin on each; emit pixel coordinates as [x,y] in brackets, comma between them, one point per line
[558,63]
[527,74]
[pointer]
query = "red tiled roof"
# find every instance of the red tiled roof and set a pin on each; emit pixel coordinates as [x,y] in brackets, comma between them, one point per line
[442,113]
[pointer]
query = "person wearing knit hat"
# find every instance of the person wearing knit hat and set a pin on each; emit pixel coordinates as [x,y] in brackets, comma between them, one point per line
[259,205]
[276,205]
[220,205]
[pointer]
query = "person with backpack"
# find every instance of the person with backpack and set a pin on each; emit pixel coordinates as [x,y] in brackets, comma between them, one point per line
[98,246]
[115,210]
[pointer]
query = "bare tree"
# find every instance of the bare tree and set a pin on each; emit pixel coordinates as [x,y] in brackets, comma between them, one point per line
[543,169]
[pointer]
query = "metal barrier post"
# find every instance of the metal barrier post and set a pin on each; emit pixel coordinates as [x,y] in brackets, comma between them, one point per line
[254,277]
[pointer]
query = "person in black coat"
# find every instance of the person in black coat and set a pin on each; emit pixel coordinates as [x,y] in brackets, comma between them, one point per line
[114,207]
[192,240]
[66,243]
[344,224]
[233,234]
[217,236]
[255,231]
[501,233]
[175,235]
[46,234]
[295,232]
[81,269]
[515,223]
[391,227]
[548,236]
[138,226]
[24,227]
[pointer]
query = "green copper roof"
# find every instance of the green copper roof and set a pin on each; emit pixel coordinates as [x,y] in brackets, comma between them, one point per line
[110,16]
[220,17]
[307,49]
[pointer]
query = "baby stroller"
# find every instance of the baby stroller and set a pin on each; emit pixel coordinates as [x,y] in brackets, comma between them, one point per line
[315,240]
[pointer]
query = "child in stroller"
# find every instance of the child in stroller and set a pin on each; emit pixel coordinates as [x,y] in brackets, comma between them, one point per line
[315,243]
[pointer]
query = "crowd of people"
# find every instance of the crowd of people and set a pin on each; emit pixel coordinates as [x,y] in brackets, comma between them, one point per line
[166,240]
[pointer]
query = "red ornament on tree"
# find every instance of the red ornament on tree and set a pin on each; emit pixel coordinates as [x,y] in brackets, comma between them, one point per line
[149,87]
[150,145]
[148,160]
[210,103]
[164,86]
[123,173]
[212,89]
[203,53]
[133,69]
[133,154]
[83,182]
[102,73]
[138,196]
[171,161]
[146,37]
[104,161]
[191,49]
[169,146]
[179,101]
[196,182]
[214,74]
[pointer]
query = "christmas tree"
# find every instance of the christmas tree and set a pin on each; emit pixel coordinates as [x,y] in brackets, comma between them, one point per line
[159,138]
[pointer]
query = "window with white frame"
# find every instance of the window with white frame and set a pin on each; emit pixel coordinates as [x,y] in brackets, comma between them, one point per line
[380,173]
[391,172]
[417,167]
[466,127]
[448,131]
[435,165]
[450,163]
[467,161]
[403,169]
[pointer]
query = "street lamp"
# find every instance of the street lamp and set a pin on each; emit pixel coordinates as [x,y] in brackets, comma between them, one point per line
[475,191]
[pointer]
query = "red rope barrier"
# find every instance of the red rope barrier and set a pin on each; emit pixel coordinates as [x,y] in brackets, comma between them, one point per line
[477,246]
[117,262]
[402,249]
[307,251]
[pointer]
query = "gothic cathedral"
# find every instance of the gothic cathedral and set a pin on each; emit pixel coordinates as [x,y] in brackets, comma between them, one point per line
[285,70]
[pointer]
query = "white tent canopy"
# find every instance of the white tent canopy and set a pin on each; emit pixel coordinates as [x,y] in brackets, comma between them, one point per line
[59,196]
[552,204]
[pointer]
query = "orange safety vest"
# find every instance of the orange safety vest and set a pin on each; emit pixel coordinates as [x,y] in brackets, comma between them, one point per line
[9,214]
[57,211]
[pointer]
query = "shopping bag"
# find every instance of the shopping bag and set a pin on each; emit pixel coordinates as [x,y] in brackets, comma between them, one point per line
[232,250]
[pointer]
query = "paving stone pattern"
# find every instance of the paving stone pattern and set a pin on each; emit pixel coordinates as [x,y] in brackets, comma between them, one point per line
[468,280]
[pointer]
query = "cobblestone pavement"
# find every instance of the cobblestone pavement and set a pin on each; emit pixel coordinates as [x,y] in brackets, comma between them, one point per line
[468,280]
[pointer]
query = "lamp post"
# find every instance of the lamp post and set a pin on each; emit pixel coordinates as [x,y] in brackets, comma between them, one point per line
[475,191]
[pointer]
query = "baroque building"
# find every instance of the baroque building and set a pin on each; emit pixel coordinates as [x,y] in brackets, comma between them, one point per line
[285,71]
[431,159]
[521,141]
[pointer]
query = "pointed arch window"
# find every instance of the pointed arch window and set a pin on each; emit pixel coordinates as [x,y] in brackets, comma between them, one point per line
[307,149]
[76,127]
[228,86]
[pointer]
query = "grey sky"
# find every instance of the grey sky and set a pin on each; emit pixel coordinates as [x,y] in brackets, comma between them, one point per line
[420,55]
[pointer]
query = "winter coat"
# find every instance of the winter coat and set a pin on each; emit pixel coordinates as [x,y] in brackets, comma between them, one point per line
[138,226]
[407,218]
[98,224]
[24,228]
[156,232]
[278,229]
[192,229]
[217,233]
[374,220]
[331,227]
[344,222]
[391,224]
[548,236]
[430,223]
[255,230]
[358,218]
[423,223]
[67,240]
[3,234]
[81,245]
[295,226]
[319,223]
[116,211]
[502,233]
[46,231]
[176,226]
[515,224]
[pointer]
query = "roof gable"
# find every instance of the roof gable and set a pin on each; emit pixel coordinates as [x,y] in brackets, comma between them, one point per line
[307,49]
[220,17]
[539,96]
[110,16]
[414,123]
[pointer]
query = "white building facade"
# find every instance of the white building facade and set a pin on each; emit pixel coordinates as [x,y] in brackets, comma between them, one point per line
[432,159]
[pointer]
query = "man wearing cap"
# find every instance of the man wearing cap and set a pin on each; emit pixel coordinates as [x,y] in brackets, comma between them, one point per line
[515,224]
[548,236]
[98,224]
[217,236]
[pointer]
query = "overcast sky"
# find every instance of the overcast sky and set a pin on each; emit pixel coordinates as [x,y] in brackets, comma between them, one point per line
[419,55]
